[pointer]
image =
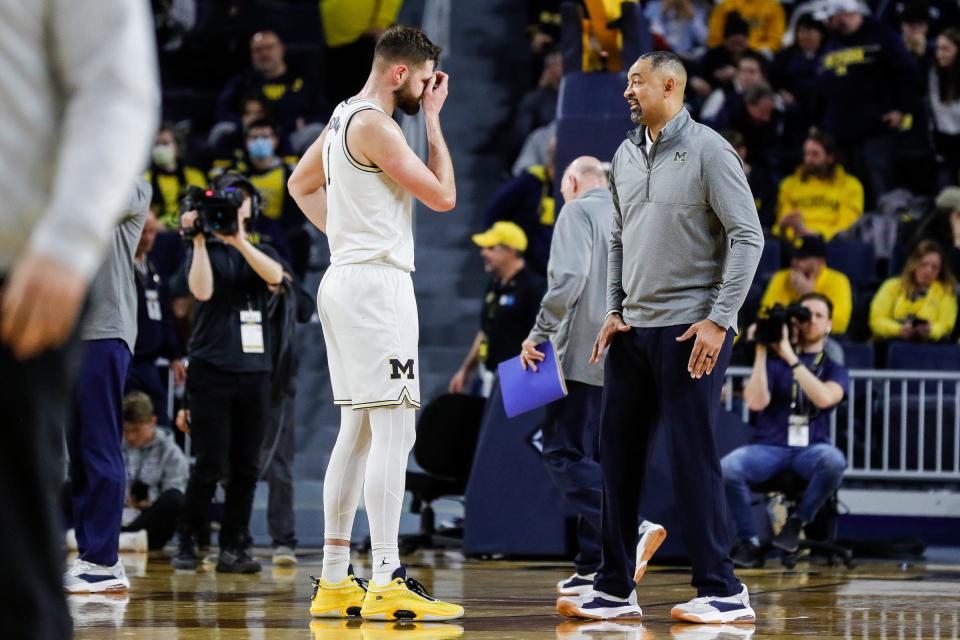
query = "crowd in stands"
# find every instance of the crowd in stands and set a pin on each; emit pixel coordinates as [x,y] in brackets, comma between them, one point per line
[847,117]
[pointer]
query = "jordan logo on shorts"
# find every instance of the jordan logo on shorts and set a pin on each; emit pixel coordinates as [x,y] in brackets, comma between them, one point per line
[401,368]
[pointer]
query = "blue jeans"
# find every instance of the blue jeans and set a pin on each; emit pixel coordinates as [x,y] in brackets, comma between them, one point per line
[821,465]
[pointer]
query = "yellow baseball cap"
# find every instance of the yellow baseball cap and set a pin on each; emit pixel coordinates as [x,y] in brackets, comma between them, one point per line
[505,233]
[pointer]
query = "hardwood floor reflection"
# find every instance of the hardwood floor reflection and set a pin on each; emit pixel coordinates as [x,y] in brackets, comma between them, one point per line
[515,600]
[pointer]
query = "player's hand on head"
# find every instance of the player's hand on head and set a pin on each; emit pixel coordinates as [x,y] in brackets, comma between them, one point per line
[436,92]
[39,305]
[529,356]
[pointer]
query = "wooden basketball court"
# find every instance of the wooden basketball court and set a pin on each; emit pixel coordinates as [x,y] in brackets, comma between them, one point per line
[516,600]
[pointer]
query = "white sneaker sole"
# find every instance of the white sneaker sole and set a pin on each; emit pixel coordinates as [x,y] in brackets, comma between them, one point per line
[740,616]
[570,609]
[645,550]
[105,586]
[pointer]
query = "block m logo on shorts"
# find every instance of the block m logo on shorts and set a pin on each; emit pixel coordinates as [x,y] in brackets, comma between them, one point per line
[400,368]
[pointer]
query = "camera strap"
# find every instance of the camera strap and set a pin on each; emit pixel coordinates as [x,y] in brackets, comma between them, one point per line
[796,395]
[798,423]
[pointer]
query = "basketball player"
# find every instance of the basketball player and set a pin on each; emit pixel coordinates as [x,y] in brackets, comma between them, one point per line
[356,183]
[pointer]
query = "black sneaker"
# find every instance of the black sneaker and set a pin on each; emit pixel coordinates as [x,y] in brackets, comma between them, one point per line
[237,561]
[747,555]
[186,556]
[789,537]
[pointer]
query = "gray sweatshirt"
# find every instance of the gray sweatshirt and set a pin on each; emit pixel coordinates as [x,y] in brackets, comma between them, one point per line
[161,464]
[572,309]
[78,108]
[686,236]
[112,306]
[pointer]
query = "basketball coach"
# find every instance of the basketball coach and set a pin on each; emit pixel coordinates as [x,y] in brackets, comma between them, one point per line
[685,244]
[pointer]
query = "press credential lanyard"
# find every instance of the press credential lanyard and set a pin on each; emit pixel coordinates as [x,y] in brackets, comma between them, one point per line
[798,426]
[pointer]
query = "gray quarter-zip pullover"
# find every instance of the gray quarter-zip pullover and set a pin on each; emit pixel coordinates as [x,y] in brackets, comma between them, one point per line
[686,237]
[572,309]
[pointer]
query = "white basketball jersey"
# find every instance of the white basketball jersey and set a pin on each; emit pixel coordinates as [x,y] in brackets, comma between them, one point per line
[369,216]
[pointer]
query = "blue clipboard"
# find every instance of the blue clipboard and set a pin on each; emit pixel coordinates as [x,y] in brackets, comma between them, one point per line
[524,391]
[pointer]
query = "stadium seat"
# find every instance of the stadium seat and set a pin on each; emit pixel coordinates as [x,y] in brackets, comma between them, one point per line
[854,259]
[858,355]
[769,260]
[594,95]
[924,357]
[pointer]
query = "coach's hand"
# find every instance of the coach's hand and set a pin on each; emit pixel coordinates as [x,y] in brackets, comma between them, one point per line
[435,93]
[706,348]
[529,356]
[39,305]
[613,325]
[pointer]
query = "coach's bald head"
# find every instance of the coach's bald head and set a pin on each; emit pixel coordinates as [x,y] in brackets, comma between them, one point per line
[582,175]
[655,86]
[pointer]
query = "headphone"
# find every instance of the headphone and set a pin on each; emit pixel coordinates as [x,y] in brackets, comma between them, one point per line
[233,180]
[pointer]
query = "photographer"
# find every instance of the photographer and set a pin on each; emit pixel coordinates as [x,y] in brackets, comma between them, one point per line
[156,474]
[793,391]
[230,365]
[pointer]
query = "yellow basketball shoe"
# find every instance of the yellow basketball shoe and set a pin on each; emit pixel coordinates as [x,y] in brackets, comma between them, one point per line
[404,598]
[337,599]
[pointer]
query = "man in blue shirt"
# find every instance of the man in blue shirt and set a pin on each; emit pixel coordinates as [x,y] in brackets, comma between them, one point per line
[793,393]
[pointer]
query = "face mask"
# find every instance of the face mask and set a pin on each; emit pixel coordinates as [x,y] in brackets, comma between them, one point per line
[260,148]
[163,155]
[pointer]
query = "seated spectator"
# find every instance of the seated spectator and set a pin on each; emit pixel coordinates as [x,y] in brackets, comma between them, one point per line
[765,17]
[681,23]
[793,391]
[227,145]
[943,84]
[527,200]
[915,33]
[921,303]
[794,74]
[538,107]
[169,176]
[297,104]
[280,224]
[156,333]
[510,305]
[750,71]
[820,198]
[156,473]
[868,88]
[717,67]
[808,273]
[537,149]
[756,117]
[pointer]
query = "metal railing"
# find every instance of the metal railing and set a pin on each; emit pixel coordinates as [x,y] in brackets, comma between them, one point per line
[892,424]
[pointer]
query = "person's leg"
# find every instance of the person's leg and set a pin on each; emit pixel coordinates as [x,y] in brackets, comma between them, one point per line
[822,466]
[210,438]
[342,488]
[570,456]
[35,394]
[690,409]
[247,415]
[629,414]
[98,502]
[279,448]
[392,434]
[746,465]
[159,520]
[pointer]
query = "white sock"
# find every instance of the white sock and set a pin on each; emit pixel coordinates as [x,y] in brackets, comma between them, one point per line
[336,559]
[386,560]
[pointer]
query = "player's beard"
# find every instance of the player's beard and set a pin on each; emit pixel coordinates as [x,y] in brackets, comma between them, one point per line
[406,101]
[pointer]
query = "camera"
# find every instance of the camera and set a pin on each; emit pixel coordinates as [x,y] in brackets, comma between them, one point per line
[772,320]
[217,210]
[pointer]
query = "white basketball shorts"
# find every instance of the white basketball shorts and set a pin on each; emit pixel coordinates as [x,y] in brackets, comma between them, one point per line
[370,326]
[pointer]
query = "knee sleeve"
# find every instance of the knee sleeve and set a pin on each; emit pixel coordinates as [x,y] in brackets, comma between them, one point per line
[343,482]
[392,431]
